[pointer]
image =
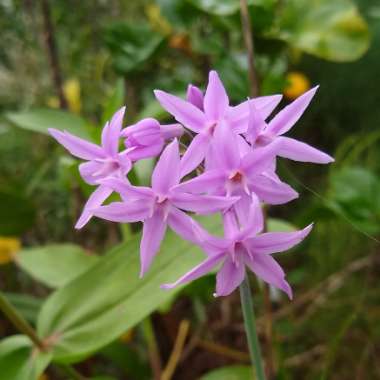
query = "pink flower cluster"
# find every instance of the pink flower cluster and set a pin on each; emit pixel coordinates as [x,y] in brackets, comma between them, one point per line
[229,168]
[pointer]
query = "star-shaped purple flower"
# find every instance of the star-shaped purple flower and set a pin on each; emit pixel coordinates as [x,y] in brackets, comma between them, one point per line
[260,133]
[102,161]
[160,206]
[203,115]
[241,248]
[240,172]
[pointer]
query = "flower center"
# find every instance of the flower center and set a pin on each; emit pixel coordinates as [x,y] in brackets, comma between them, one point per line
[108,168]
[236,177]
[263,139]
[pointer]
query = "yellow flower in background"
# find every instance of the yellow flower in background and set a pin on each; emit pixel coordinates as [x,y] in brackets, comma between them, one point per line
[71,90]
[8,249]
[298,83]
[158,22]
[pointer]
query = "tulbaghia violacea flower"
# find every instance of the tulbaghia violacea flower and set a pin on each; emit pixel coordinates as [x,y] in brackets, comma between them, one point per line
[102,161]
[204,120]
[244,246]
[260,133]
[238,173]
[160,206]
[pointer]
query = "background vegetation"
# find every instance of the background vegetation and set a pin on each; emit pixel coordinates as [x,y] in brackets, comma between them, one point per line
[70,65]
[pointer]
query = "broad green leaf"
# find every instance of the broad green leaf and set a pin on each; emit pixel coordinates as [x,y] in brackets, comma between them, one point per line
[279,225]
[39,120]
[19,360]
[28,306]
[230,373]
[333,30]
[110,298]
[355,195]
[55,265]
[17,213]
[132,45]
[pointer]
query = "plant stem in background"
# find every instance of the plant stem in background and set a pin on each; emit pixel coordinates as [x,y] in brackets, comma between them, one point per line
[169,370]
[250,328]
[255,91]
[153,351]
[248,40]
[52,52]
[19,322]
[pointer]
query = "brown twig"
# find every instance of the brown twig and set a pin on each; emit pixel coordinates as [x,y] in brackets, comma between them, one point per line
[248,40]
[320,293]
[52,52]
[175,356]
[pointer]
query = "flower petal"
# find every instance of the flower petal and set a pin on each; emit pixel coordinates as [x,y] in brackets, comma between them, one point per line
[230,223]
[299,151]
[195,153]
[273,242]
[266,268]
[255,220]
[169,131]
[166,172]
[256,123]
[144,133]
[237,116]
[183,225]
[184,112]
[124,212]
[87,170]
[77,146]
[287,117]
[194,96]
[111,133]
[200,270]
[216,99]
[225,147]
[202,204]
[94,201]
[153,233]
[204,183]
[259,160]
[128,191]
[229,277]
[272,191]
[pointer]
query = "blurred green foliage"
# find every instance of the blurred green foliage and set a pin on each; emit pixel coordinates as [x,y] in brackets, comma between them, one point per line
[117,52]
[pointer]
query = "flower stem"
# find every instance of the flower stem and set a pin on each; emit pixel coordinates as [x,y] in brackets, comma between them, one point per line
[19,322]
[250,329]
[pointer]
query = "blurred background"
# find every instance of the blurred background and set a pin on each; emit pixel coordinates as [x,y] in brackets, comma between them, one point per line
[71,64]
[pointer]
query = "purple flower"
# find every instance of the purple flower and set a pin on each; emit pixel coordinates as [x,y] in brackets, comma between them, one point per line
[259,133]
[146,138]
[240,172]
[102,161]
[241,248]
[203,116]
[160,206]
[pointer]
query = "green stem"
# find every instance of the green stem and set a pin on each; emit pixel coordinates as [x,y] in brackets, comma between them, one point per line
[19,322]
[250,329]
